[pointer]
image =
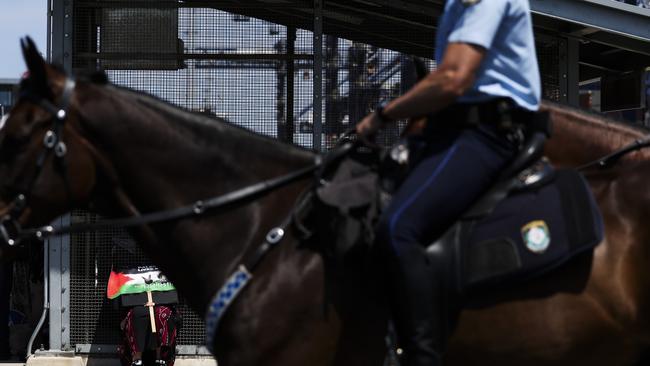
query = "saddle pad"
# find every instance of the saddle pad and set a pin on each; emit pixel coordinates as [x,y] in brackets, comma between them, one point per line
[531,232]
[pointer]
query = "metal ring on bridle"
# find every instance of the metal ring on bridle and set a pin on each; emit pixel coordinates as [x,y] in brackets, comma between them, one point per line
[60,150]
[275,235]
[50,139]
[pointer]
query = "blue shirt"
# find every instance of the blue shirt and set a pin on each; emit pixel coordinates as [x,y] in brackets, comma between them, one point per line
[504,29]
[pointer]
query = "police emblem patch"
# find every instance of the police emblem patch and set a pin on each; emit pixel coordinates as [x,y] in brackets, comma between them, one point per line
[536,235]
[470,2]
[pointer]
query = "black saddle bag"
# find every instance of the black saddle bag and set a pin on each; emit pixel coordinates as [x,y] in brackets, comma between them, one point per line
[532,231]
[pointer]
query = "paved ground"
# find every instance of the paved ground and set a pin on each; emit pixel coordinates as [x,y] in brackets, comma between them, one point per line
[85,361]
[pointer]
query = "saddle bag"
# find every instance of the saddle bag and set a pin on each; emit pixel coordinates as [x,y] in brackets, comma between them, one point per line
[533,230]
[346,205]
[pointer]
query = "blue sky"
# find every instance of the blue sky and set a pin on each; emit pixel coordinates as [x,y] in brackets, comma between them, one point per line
[17,19]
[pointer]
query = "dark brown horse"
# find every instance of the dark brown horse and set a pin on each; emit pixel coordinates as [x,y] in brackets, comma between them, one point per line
[127,153]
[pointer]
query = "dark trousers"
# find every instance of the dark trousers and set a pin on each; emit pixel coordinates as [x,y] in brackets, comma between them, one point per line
[456,167]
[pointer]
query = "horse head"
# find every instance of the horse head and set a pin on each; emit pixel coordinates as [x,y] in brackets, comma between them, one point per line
[46,166]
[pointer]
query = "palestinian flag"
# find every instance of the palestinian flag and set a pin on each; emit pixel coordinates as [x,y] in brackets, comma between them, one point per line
[137,280]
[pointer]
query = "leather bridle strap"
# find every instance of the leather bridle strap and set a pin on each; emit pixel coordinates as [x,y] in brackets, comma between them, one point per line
[52,143]
[197,208]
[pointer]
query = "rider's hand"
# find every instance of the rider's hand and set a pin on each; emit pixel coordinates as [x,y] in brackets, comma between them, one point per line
[369,126]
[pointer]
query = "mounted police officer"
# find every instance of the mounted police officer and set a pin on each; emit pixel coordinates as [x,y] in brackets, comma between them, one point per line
[487,74]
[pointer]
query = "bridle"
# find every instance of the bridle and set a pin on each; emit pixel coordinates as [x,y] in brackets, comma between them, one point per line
[11,232]
[52,144]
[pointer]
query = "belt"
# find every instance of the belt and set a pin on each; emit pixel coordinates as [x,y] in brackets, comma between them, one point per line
[501,112]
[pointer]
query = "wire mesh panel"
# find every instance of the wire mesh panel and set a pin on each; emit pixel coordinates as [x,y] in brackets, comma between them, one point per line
[549,54]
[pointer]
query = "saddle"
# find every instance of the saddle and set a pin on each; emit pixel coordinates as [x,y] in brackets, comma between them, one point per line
[533,219]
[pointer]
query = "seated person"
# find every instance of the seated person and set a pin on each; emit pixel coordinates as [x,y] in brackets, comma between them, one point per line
[150,322]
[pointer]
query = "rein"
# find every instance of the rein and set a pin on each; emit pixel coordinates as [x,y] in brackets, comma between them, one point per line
[197,208]
[613,158]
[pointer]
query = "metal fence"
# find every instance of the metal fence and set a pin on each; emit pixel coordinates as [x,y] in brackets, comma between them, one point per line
[256,74]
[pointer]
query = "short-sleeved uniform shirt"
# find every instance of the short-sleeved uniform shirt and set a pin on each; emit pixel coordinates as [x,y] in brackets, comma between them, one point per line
[504,29]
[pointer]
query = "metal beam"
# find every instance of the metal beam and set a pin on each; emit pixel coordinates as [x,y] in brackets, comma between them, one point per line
[573,72]
[621,43]
[318,75]
[62,33]
[607,15]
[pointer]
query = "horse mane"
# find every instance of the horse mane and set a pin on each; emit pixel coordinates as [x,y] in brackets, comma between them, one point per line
[597,130]
[200,124]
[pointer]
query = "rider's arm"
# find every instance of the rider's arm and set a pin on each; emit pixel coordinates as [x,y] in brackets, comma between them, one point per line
[441,87]
[437,90]
[470,31]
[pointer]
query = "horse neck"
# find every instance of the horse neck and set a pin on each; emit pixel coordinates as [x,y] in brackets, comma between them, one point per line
[145,138]
[166,158]
[580,137]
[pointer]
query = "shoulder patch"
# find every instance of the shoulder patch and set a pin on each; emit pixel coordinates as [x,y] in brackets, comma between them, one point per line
[470,2]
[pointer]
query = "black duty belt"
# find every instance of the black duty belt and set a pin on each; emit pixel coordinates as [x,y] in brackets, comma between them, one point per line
[502,113]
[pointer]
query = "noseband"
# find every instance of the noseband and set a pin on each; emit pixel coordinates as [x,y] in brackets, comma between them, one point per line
[10,228]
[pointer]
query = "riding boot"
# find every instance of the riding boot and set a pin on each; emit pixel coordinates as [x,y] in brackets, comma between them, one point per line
[414,288]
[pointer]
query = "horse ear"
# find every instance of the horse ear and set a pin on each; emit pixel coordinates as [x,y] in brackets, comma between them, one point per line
[35,64]
[421,69]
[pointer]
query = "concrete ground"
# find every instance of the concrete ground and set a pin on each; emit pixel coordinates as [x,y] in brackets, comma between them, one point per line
[74,360]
